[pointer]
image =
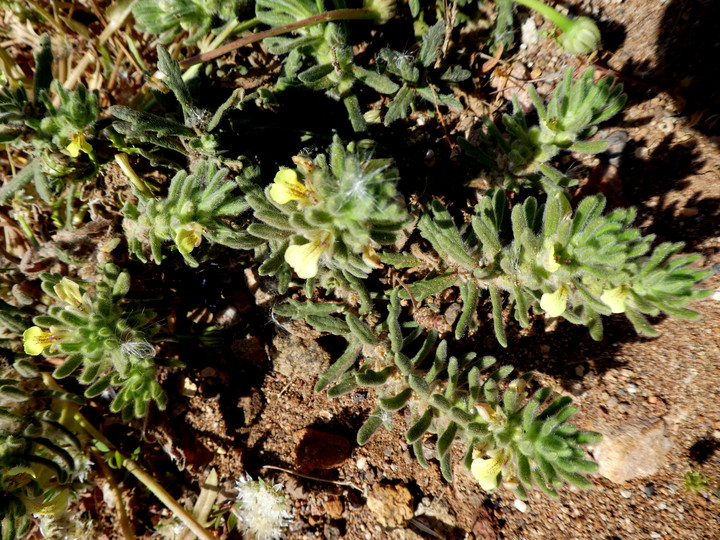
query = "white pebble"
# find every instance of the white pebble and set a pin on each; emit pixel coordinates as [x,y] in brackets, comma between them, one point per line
[520,505]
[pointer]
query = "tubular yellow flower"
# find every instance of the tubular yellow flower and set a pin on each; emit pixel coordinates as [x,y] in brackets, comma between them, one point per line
[189,237]
[304,258]
[286,187]
[370,257]
[615,299]
[35,340]
[555,304]
[78,144]
[488,471]
[549,261]
[69,292]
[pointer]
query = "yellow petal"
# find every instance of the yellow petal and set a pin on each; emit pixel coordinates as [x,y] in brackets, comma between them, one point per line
[286,187]
[189,238]
[77,145]
[69,292]
[615,299]
[487,471]
[73,149]
[35,339]
[370,257]
[549,262]
[555,304]
[304,258]
[486,411]
[54,507]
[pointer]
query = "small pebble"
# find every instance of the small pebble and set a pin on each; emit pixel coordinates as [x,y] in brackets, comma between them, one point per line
[625,493]
[649,490]
[520,505]
[361,463]
[632,388]
[655,535]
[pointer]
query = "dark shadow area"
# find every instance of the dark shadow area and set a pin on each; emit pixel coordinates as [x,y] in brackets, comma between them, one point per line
[688,66]
[647,184]
[561,349]
[703,450]
[665,169]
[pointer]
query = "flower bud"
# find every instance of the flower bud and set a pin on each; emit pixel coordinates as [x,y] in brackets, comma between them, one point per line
[582,37]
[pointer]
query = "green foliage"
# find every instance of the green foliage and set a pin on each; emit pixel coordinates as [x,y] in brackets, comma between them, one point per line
[408,79]
[101,335]
[327,217]
[57,137]
[141,132]
[570,118]
[450,397]
[197,206]
[318,55]
[41,462]
[696,482]
[577,265]
[170,18]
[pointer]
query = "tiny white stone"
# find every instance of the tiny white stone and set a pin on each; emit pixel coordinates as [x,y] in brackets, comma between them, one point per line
[625,493]
[520,505]
[361,463]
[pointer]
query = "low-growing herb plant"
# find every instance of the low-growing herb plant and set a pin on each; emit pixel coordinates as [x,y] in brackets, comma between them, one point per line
[57,137]
[197,207]
[576,265]
[42,463]
[565,123]
[320,230]
[513,436]
[327,217]
[101,335]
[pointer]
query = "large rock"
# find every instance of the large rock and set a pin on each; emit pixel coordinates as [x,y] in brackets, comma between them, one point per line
[632,450]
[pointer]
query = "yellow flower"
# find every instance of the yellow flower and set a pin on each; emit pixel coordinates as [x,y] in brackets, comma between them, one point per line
[370,257]
[35,339]
[78,144]
[286,187]
[304,258]
[615,299]
[555,304]
[488,471]
[549,261]
[41,506]
[189,237]
[486,411]
[69,292]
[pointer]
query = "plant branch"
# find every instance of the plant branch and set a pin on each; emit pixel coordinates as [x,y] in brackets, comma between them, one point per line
[334,15]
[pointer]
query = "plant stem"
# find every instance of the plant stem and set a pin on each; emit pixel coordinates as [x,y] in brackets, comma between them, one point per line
[127,528]
[167,499]
[231,29]
[134,469]
[557,18]
[334,15]
[149,482]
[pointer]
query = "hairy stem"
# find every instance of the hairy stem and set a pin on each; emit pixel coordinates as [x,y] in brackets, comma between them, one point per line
[334,15]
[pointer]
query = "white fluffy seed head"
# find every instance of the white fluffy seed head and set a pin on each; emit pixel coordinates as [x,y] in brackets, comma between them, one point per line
[262,510]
